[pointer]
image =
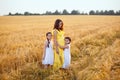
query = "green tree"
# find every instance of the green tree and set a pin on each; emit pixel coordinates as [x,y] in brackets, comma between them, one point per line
[10,13]
[75,12]
[26,13]
[65,12]
[56,12]
[92,12]
[48,13]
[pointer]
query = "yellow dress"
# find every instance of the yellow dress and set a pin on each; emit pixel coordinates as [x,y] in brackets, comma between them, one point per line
[59,58]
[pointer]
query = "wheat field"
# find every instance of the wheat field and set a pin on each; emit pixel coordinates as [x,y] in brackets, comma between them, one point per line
[95,47]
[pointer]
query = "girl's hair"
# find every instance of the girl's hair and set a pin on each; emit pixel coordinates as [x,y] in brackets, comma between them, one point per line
[68,39]
[56,25]
[48,39]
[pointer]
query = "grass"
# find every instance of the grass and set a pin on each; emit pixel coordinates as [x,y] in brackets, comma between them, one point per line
[95,47]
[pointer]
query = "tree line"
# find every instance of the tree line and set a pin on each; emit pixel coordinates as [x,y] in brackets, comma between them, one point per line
[73,12]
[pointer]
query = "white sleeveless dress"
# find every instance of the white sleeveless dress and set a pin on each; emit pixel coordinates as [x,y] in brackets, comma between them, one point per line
[67,57]
[49,56]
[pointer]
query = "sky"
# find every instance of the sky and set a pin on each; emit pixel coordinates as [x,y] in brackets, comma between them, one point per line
[41,6]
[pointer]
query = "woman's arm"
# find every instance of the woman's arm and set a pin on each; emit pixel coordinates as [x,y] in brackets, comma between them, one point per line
[55,42]
[44,50]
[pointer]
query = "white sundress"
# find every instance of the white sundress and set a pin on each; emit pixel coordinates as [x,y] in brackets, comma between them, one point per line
[49,56]
[67,57]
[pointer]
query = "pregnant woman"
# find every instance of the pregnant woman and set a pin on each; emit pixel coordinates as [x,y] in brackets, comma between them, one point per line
[58,38]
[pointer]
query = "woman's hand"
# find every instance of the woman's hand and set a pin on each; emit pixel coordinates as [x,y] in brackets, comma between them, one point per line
[57,50]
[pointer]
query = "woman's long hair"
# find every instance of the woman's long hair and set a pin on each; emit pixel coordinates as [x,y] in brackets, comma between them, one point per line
[56,25]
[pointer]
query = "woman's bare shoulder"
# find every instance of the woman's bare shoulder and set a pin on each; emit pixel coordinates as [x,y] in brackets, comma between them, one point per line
[55,31]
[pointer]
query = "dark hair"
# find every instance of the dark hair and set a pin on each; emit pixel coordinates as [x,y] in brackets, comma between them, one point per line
[56,25]
[68,39]
[48,39]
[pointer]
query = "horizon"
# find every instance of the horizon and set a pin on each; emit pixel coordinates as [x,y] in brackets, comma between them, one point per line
[34,6]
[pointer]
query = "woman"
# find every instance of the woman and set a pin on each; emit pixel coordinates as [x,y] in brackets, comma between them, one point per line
[58,38]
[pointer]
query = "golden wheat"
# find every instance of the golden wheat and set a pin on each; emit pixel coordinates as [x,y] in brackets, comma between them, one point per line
[95,47]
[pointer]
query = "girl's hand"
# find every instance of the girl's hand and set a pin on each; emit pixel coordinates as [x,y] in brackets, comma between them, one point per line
[43,58]
[67,47]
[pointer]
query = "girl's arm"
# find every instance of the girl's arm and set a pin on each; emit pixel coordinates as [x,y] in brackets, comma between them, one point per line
[55,41]
[63,47]
[44,50]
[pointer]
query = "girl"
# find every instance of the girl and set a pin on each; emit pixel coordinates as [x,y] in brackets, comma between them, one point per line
[48,51]
[67,56]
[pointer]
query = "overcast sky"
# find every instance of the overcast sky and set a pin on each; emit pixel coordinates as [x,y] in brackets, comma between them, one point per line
[41,6]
